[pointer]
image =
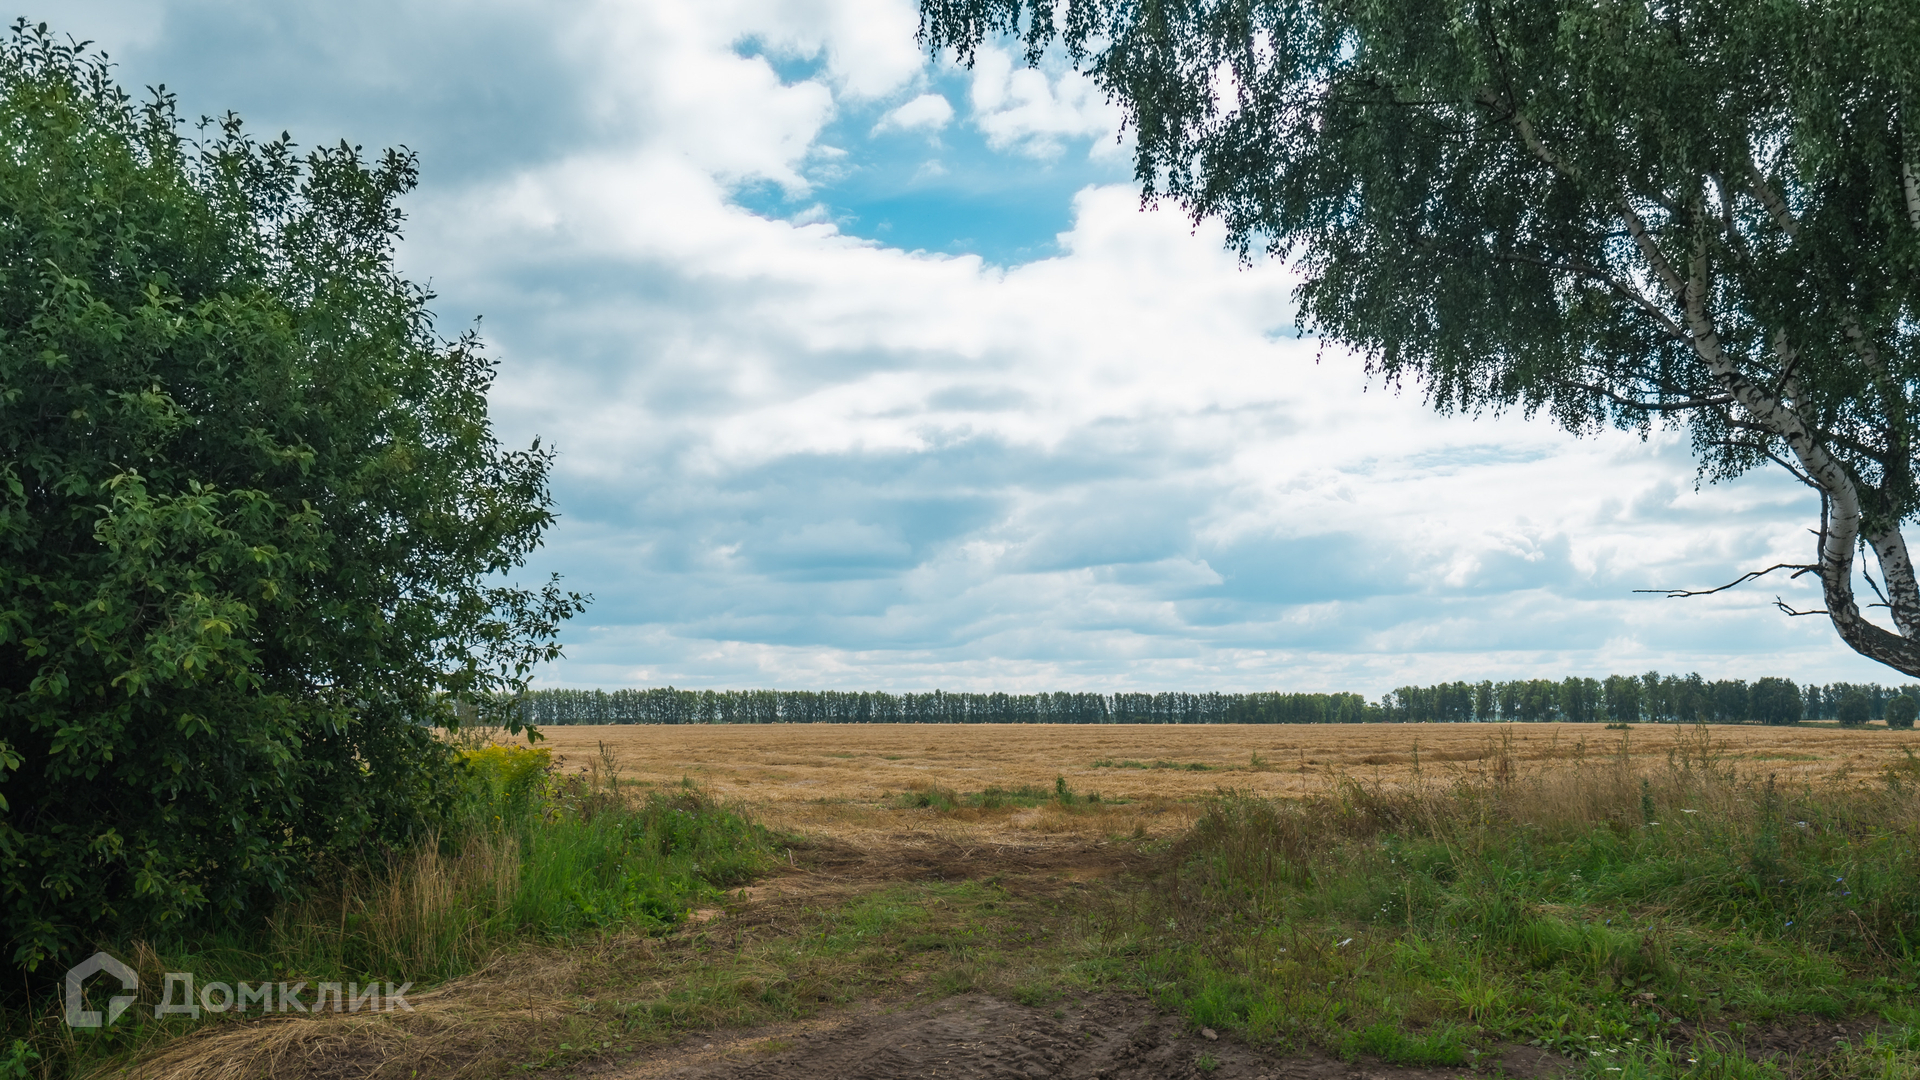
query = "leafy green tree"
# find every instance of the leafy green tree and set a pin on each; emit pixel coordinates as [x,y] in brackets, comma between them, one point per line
[1900,712]
[1774,701]
[1622,694]
[1854,708]
[1579,699]
[1509,699]
[1539,700]
[253,519]
[1812,702]
[1453,702]
[1703,213]
[1728,701]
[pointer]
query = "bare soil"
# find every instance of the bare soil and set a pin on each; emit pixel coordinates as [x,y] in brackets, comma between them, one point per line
[1109,1037]
[975,1037]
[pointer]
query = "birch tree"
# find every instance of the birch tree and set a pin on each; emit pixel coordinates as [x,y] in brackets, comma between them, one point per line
[1688,213]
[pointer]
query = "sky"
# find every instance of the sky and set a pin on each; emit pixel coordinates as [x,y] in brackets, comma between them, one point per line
[867,371]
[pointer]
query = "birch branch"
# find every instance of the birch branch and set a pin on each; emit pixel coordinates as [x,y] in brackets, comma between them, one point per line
[1751,575]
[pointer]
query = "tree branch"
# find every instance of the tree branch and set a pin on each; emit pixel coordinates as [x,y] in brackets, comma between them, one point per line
[1771,199]
[1676,594]
[1621,287]
[1797,474]
[1650,406]
[1874,585]
[1910,184]
[1783,606]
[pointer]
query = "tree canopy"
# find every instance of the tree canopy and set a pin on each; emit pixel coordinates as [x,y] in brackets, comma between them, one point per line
[253,518]
[1625,212]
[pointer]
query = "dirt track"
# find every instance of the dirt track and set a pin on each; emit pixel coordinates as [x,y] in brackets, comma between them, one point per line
[974,1037]
[1110,1037]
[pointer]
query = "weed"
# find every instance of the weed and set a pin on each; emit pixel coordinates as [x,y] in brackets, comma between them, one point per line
[18,1064]
[931,797]
[1026,796]
[1595,905]
[1191,766]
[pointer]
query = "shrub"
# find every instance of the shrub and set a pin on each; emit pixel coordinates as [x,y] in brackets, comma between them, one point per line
[252,517]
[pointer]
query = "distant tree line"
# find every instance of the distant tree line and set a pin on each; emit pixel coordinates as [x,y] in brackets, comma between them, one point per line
[670,706]
[1652,697]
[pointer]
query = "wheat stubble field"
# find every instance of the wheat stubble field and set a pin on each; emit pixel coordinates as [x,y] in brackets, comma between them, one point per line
[799,772]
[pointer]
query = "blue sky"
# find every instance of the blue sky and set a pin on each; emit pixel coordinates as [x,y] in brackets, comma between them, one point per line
[870,372]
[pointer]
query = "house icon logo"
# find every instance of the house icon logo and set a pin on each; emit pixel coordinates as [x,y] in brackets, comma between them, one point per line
[77,976]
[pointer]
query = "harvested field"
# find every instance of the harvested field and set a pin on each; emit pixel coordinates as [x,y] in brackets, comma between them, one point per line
[813,763]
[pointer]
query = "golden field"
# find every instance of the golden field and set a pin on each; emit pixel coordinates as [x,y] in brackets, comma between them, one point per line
[771,765]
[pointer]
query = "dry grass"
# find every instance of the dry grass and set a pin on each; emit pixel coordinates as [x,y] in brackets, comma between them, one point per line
[450,1030]
[789,764]
[834,780]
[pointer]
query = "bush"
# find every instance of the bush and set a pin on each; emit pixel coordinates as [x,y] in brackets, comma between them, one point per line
[1900,712]
[250,506]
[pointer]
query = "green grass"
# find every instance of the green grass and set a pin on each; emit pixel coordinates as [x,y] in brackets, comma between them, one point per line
[993,797]
[1592,906]
[525,860]
[920,940]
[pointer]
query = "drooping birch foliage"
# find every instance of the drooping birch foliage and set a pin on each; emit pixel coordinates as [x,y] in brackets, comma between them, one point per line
[1615,211]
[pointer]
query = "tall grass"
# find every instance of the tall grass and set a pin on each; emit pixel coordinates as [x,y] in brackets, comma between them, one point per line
[1600,902]
[528,858]
[524,857]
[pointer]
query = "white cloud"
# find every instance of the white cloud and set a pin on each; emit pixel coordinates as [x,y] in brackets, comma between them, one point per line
[1135,481]
[796,457]
[928,112]
[1033,110]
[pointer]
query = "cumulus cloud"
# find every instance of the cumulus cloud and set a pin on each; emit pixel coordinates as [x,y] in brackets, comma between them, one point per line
[1036,110]
[928,112]
[797,457]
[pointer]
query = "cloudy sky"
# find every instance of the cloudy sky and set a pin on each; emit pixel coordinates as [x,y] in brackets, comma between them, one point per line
[870,372]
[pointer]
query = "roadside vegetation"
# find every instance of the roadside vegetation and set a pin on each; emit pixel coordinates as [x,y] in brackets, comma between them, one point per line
[1635,920]
[526,860]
